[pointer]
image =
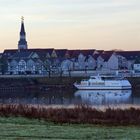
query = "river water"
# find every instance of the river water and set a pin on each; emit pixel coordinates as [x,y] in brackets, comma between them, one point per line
[74,97]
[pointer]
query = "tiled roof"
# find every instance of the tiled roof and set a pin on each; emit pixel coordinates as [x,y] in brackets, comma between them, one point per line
[87,52]
[106,55]
[42,52]
[129,55]
[9,53]
[97,53]
[69,53]
[50,50]
[95,56]
[22,54]
[61,52]
[75,53]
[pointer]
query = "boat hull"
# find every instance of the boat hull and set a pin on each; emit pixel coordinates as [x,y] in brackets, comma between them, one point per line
[101,87]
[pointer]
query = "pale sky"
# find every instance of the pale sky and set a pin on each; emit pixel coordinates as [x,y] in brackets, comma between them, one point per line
[71,24]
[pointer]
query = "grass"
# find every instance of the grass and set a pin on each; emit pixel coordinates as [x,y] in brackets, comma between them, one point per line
[30,129]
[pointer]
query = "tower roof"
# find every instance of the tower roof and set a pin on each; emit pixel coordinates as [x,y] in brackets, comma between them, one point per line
[22,30]
[22,43]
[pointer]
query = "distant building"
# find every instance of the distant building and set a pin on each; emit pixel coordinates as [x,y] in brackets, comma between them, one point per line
[44,61]
[128,58]
[137,65]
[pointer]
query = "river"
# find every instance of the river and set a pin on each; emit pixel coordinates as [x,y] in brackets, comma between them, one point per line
[73,97]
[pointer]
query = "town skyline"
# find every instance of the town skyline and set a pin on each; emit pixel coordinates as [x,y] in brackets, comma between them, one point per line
[81,24]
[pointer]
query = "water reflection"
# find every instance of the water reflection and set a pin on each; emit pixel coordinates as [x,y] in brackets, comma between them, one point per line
[72,97]
[52,97]
[104,97]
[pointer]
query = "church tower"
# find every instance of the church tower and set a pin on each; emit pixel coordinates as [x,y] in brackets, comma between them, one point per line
[22,43]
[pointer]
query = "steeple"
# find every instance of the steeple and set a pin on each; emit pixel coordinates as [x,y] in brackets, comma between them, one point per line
[22,44]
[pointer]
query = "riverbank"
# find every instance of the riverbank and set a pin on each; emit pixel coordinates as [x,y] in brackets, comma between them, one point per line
[74,115]
[39,82]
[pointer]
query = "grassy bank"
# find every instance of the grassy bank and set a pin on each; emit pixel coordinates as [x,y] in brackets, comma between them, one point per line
[38,81]
[59,80]
[24,129]
[74,115]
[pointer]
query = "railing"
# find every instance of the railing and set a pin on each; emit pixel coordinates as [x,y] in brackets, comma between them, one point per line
[81,74]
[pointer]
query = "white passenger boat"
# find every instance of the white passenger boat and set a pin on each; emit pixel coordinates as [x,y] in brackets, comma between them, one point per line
[103,83]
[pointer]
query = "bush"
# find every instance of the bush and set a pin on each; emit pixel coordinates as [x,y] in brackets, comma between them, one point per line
[78,114]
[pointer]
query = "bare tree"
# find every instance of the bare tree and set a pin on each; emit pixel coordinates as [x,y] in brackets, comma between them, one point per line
[3,65]
[47,66]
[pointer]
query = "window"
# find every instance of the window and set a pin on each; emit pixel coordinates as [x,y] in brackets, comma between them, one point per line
[22,65]
[30,65]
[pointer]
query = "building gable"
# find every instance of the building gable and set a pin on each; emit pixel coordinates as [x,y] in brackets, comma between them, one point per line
[14,63]
[54,55]
[30,62]
[81,57]
[48,55]
[34,55]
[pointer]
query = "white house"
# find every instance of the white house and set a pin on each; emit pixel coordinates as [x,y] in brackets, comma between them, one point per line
[81,61]
[91,62]
[100,62]
[111,62]
[67,65]
[137,67]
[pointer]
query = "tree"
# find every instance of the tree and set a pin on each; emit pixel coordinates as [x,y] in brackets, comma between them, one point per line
[69,70]
[61,72]
[3,65]
[47,66]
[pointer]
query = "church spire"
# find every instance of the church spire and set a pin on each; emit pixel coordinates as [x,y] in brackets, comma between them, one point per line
[22,31]
[22,44]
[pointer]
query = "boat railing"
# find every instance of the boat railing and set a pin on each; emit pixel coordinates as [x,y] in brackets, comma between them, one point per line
[85,80]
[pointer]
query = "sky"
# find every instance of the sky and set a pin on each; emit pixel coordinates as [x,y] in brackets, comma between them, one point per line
[71,24]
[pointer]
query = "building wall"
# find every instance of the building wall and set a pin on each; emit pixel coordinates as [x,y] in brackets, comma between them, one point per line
[122,62]
[112,63]
[67,65]
[81,61]
[26,67]
[100,62]
[137,67]
[37,64]
[91,63]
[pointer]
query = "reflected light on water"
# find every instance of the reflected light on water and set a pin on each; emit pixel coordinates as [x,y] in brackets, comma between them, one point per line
[98,98]
[104,97]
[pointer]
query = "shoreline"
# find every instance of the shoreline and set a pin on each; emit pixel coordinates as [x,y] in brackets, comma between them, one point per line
[50,82]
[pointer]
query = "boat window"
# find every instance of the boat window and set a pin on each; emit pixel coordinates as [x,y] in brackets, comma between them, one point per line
[84,80]
[92,78]
[111,78]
